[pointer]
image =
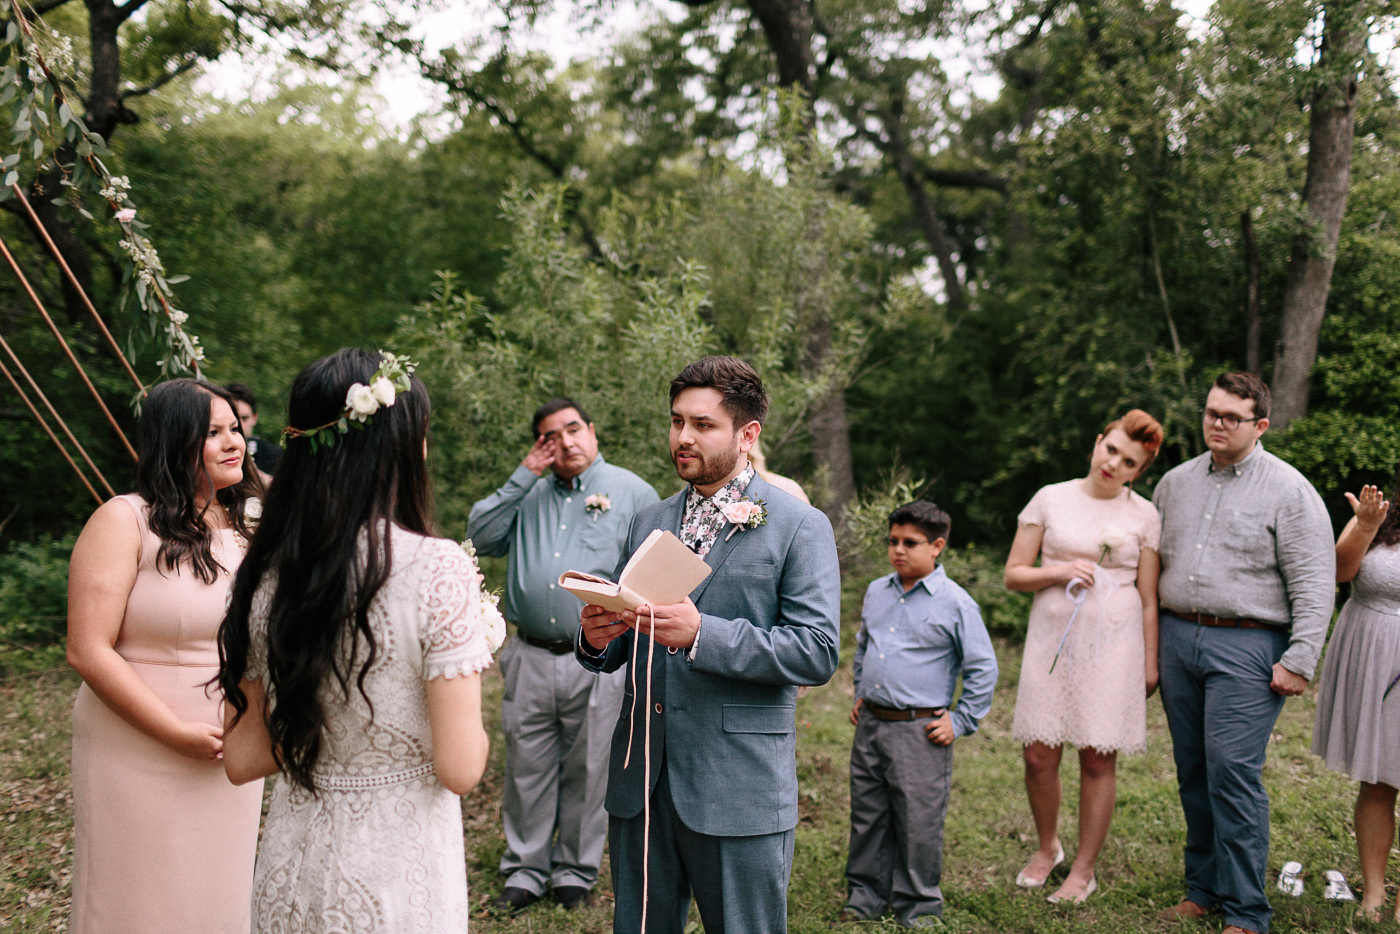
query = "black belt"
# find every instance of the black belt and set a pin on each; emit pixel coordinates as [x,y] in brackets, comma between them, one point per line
[904,713]
[559,647]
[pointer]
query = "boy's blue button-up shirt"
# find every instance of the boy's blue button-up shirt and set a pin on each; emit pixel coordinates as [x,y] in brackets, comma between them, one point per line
[912,645]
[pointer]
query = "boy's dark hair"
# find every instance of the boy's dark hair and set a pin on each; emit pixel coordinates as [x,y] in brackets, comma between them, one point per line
[557,405]
[744,398]
[933,521]
[242,393]
[1246,386]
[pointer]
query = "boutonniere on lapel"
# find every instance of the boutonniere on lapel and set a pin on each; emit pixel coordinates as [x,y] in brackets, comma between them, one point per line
[596,504]
[745,514]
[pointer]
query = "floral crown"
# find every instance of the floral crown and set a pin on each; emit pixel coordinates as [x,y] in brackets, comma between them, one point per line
[361,401]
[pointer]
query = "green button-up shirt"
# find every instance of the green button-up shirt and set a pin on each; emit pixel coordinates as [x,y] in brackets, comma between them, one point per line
[545,526]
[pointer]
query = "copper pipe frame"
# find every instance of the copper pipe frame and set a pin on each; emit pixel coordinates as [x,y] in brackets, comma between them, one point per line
[49,431]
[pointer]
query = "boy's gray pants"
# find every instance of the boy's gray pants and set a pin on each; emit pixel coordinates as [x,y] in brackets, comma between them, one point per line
[899,798]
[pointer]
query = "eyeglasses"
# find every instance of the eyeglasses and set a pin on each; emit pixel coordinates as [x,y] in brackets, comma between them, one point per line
[1228,422]
[910,543]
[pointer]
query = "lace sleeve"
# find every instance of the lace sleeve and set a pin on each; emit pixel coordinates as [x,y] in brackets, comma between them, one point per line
[456,620]
[258,610]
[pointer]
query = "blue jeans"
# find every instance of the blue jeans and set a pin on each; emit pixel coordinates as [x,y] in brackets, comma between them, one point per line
[1221,710]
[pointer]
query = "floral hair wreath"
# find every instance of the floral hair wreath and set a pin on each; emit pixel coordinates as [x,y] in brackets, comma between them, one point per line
[361,402]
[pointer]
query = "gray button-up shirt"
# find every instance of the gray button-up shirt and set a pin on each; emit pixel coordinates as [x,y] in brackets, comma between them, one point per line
[547,528]
[913,643]
[1251,541]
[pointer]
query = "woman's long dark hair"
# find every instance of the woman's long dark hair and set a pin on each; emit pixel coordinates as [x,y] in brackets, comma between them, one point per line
[1389,532]
[174,425]
[310,536]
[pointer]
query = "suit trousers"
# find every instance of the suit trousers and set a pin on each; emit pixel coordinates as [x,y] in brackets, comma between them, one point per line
[899,798]
[1221,711]
[740,883]
[558,720]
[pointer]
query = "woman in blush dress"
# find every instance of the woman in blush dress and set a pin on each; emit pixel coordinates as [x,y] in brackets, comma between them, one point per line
[1357,730]
[352,654]
[1090,660]
[162,841]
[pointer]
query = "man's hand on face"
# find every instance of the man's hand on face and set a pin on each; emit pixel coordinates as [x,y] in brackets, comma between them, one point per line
[1288,683]
[541,456]
[601,626]
[676,625]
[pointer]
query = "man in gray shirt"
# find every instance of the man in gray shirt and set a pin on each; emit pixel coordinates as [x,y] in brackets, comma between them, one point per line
[1248,579]
[557,718]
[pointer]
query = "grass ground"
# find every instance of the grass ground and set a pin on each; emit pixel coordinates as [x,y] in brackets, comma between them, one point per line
[988,832]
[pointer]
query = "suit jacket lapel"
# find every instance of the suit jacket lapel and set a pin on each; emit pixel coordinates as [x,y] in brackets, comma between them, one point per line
[757,489]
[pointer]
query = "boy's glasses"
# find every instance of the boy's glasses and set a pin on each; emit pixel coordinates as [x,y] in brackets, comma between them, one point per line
[1228,422]
[910,543]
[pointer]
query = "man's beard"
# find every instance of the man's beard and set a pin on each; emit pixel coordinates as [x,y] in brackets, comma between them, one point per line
[709,471]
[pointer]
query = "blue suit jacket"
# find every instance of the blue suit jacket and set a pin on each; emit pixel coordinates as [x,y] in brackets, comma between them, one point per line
[770,621]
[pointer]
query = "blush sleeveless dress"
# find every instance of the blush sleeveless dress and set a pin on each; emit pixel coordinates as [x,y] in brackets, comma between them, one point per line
[163,844]
[1096,696]
[380,849]
[1357,730]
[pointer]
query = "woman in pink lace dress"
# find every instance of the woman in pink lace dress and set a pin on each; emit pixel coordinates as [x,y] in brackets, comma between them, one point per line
[1090,659]
[352,653]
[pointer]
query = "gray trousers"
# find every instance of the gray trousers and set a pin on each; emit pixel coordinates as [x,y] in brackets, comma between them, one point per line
[1221,710]
[558,720]
[740,883]
[899,798]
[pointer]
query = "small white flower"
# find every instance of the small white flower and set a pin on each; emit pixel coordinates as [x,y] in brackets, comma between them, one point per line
[383,391]
[1113,537]
[178,317]
[598,502]
[361,402]
[126,215]
[252,509]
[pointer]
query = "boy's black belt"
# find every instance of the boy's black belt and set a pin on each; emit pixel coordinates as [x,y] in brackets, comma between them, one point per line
[560,647]
[904,713]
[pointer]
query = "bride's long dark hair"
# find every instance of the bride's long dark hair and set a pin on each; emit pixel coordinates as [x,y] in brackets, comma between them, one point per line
[310,539]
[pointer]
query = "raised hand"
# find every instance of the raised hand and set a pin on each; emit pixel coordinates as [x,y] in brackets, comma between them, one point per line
[541,456]
[1370,508]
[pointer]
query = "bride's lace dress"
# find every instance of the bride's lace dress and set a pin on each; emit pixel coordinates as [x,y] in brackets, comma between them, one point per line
[380,847]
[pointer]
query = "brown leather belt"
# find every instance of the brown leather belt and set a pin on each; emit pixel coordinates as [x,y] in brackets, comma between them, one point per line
[561,647]
[895,713]
[1223,622]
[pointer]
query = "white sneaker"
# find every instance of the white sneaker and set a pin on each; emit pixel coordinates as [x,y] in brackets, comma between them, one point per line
[1337,889]
[1290,878]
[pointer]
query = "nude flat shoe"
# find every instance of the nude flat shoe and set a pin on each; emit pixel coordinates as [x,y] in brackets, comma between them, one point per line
[1028,882]
[1089,889]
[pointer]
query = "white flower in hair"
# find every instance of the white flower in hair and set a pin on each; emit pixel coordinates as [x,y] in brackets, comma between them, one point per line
[361,402]
[383,390]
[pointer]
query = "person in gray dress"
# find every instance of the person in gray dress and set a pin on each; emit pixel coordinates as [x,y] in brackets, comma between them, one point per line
[564,508]
[1246,592]
[1358,709]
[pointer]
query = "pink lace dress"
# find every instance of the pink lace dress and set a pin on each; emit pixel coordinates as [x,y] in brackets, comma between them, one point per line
[1095,697]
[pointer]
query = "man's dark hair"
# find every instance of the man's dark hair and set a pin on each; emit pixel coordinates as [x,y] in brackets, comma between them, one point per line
[1246,386]
[557,405]
[744,398]
[933,521]
[242,393]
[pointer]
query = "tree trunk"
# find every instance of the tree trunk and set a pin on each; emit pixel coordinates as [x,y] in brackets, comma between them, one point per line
[1331,126]
[831,434]
[787,25]
[1251,292]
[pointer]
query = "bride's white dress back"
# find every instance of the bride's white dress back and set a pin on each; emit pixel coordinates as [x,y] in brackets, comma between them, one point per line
[380,847]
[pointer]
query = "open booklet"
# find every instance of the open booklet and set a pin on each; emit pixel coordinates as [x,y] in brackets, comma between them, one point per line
[661,571]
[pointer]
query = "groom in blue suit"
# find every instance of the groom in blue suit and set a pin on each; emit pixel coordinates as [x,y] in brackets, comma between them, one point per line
[727,664]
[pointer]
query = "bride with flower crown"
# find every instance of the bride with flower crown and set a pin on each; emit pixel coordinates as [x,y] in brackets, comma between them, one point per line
[351,658]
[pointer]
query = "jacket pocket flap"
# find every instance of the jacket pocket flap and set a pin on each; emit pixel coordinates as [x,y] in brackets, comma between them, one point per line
[740,718]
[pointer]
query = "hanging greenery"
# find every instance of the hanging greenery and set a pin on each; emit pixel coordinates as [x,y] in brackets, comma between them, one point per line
[36,64]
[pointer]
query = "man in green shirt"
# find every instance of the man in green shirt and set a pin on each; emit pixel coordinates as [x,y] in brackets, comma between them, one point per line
[564,508]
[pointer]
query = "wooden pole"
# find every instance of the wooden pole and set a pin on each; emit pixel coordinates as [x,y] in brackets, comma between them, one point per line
[66,349]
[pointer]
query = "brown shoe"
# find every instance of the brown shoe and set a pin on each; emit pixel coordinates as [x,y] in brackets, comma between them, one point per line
[1236,929]
[1184,910]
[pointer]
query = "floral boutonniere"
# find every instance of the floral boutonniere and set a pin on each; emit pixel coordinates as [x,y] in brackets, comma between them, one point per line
[596,504]
[745,514]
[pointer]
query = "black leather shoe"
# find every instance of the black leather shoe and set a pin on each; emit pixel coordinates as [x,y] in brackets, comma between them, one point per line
[573,896]
[512,901]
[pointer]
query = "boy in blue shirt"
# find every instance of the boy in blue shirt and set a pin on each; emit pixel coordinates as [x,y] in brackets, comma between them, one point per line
[918,631]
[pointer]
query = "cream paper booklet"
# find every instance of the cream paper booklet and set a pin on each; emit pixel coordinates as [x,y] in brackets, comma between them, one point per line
[662,571]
